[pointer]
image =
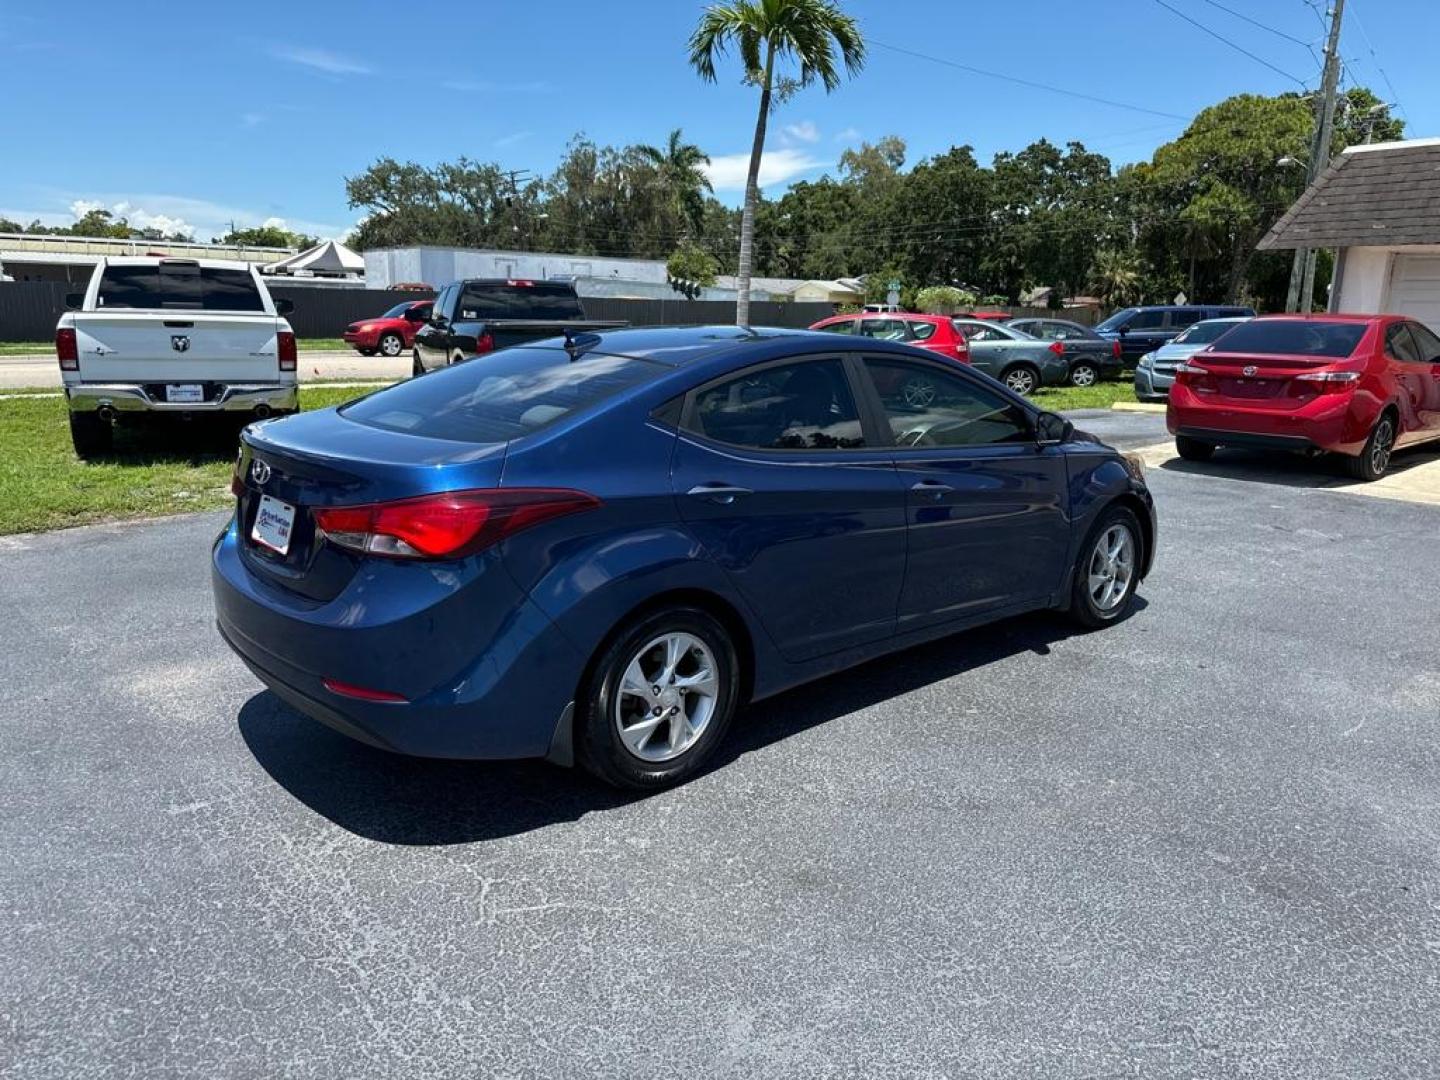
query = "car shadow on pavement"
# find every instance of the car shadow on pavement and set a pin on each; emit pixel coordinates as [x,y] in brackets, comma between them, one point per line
[172,443]
[1293,470]
[402,800]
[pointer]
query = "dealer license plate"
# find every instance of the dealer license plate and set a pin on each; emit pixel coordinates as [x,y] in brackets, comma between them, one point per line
[274,521]
[185,393]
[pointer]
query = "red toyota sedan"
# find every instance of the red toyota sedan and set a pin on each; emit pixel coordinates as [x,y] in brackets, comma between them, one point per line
[1355,385]
[392,333]
[934,332]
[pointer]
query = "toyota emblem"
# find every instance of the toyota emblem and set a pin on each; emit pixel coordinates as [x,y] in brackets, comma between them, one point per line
[260,472]
[1250,369]
[180,342]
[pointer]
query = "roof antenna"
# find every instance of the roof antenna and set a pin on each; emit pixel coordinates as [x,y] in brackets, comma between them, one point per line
[578,344]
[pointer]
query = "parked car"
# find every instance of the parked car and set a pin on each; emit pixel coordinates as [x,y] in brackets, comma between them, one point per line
[1355,385]
[481,315]
[1155,373]
[935,333]
[154,336]
[1090,356]
[1143,329]
[392,333]
[988,316]
[596,549]
[1020,361]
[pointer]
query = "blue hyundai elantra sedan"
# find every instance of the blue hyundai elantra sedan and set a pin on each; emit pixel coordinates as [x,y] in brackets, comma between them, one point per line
[594,549]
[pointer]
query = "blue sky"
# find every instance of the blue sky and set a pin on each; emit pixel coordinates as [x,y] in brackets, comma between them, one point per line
[193,115]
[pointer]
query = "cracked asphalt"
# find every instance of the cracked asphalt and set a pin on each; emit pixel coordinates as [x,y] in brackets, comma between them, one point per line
[1201,843]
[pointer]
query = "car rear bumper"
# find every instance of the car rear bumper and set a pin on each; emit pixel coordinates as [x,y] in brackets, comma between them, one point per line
[405,629]
[1324,424]
[219,397]
[1151,385]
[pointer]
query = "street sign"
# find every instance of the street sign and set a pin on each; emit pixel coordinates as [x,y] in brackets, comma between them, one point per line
[894,286]
[1181,299]
[892,298]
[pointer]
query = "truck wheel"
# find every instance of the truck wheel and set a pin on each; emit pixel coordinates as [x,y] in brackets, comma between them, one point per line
[90,434]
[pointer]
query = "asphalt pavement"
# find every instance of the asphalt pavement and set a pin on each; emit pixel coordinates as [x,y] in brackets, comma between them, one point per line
[1204,842]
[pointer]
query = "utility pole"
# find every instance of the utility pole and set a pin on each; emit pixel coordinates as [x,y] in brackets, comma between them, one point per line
[1302,270]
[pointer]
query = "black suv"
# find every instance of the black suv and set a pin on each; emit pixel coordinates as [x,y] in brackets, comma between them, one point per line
[1141,329]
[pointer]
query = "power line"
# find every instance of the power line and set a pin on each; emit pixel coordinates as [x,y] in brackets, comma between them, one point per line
[1025,82]
[1374,59]
[1238,48]
[1254,22]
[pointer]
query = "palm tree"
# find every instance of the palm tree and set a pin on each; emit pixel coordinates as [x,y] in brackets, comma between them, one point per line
[1116,275]
[684,181]
[806,32]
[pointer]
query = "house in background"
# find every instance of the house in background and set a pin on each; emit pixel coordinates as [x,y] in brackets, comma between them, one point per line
[1379,206]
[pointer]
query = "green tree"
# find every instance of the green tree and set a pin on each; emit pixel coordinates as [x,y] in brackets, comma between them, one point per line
[682,178]
[267,236]
[691,268]
[1116,277]
[805,32]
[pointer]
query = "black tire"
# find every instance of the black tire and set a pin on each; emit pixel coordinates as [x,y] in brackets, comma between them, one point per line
[1084,607]
[1024,379]
[391,345]
[416,368]
[366,352]
[1374,460]
[91,435]
[1194,449]
[1084,373]
[599,745]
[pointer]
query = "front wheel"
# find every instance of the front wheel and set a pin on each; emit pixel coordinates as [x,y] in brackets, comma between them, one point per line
[1022,378]
[1084,373]
[391,344]
[1374,460]
[659,700]
[1107,570]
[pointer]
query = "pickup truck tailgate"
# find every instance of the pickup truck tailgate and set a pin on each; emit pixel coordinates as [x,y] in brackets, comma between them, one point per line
[141,346]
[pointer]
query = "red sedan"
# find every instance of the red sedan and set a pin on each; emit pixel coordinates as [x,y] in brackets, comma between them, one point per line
[391,333]
[1355,385]
[934,332]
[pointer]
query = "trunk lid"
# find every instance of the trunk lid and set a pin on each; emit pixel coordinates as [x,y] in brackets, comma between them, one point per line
[321,459]
[177,347]
[1262,379]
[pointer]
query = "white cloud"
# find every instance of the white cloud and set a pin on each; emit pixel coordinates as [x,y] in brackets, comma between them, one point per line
[805,131]
[727,171]
[202,218]
[512,138]
[848,135]
[322,60]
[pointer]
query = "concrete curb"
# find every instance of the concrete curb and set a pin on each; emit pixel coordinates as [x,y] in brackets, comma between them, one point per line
[1138,406]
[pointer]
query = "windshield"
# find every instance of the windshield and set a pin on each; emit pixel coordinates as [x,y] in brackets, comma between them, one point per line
[1293,337]
[398,311]
[1205,332]
[1114,322]
[502,397]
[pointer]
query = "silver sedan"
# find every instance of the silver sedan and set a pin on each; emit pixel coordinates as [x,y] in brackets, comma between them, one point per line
[1020,361]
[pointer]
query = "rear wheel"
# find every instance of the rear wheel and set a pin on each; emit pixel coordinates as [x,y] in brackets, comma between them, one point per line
[1107,570]
[1022,378]
[1084,373]
[1374,460]
[91,435]
[391,344]
[1193,449]
[659,699]
[416,368]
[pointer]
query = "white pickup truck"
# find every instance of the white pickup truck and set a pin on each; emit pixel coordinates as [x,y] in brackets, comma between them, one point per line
[187,337]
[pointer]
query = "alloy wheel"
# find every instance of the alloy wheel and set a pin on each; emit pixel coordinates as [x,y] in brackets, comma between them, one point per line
[1382,445]
[667,697]
[919,393]
[1112,567]
[1021,380]
[391,345]
[1083,375]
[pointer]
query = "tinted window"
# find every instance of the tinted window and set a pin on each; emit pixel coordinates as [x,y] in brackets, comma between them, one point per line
[802,406]
[1204,333]
[1399,345]
[884,329]
[182,286]
[1292,336]
[1148,320]
[981,332]
[1184,317]
[929,407]
[1120,318]
[502,397]
[923,331]
[845,326]
[540,300]
[397,312]
[1426,342]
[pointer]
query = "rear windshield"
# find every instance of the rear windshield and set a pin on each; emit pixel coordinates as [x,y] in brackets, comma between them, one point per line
[1295,338]
[183,286]
[1204,333]
[500,397]
[538,300]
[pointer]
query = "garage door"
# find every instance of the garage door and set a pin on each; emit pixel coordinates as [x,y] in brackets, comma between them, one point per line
[1415,289]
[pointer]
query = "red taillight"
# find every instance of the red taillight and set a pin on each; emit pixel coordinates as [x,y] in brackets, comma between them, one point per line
[1328,382]
[1115,349]
[361,693]
[66,349]
[286,349]
[449,525]
[1057,348]
[484,343]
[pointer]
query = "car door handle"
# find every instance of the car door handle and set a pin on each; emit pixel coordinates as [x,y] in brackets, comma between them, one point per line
[932,487]
[725,494]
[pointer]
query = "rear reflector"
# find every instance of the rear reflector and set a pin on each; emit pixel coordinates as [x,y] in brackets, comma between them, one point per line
[1115,349]
[286,349]
[484,343]
[448,525]
[66,349]
[361,693]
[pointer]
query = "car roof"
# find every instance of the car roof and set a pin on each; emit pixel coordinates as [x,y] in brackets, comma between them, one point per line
[924,316]
[1339,316]
[156,260]
[675,346]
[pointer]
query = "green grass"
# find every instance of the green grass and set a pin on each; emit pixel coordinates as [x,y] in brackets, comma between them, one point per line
[28,348]
[1100,396]
[166,470]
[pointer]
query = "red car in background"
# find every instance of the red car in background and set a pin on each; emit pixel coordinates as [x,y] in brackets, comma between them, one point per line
[389,334]
[1355,385]
[934,332]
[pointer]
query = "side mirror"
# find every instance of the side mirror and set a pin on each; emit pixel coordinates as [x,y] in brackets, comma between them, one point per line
[1052,429]
[284,307]
[1123,329]
[74,301]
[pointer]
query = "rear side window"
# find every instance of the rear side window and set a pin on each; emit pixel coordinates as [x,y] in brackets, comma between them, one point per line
[1293,337]
[178,286]
[845,326]
[501,397]
[923,331]
[1426,342]
[1184,317]
[539,300]
[802,406]
[1148,320]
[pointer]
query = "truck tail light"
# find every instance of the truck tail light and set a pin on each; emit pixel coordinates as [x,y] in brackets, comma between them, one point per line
[484,343]
[1115,350]
[67,350]
[449,525]
[286,350]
